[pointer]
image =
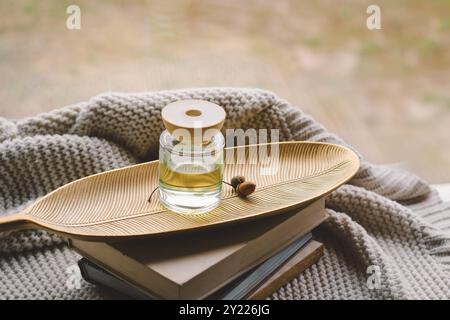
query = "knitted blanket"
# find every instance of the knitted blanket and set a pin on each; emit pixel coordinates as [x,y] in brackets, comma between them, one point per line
[386,237]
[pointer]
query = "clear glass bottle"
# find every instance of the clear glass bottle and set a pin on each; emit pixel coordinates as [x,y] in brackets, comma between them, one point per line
[190,169]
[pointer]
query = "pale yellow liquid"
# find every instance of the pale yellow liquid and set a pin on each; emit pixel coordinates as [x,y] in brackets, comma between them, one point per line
[190,177]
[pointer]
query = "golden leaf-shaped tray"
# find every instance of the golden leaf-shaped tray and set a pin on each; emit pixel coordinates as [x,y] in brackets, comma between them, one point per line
[113,205]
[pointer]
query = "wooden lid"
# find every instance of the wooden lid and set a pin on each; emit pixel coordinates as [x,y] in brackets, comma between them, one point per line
[192,115]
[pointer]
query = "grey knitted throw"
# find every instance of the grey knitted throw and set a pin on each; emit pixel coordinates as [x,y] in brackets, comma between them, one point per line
[387,236]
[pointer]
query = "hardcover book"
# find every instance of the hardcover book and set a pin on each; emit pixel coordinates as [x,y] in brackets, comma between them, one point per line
[255,284]
[194,265]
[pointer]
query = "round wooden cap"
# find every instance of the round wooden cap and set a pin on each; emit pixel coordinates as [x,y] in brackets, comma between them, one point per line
[192,115]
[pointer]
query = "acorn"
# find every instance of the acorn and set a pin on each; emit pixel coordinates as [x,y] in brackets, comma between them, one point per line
[245,188]
[236,181]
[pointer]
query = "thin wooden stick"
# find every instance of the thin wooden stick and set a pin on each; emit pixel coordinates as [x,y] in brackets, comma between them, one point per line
[151,194]
[228,183]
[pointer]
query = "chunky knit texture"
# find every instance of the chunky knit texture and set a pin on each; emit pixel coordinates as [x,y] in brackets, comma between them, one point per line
[386,220]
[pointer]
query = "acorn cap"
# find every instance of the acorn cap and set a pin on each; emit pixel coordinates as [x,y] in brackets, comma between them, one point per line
[192,117]
[237,180]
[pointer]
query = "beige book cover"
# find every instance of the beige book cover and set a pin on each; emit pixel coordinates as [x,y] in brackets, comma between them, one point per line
[192,265]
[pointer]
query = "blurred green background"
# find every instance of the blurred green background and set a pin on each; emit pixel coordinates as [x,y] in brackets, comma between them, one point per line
[386,91]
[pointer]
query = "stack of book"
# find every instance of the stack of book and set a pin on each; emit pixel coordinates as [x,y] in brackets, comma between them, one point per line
[239,261]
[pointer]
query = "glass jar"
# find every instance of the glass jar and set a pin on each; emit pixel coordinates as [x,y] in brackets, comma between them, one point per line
[190,172]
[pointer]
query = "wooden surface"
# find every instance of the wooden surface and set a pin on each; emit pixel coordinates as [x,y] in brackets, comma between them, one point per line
[113,204]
